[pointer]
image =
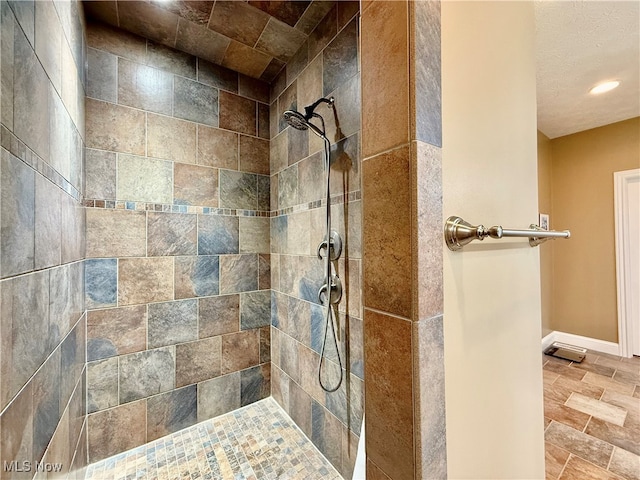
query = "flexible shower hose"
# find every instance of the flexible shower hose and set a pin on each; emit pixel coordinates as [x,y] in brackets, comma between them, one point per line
[330,320]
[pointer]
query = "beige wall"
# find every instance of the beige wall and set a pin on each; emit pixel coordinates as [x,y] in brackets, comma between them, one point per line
[546,249]
[492,290]
[584,274]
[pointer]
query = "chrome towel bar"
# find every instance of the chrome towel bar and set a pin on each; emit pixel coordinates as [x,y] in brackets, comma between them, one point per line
[458,233]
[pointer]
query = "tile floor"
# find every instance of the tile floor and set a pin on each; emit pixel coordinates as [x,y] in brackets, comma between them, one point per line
[592,418]
[592,432]
[256,442]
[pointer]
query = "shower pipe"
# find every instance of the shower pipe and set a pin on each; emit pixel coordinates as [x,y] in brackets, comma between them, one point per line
[331,292]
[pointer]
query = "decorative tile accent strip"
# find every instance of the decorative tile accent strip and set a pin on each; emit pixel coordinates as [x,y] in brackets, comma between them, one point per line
[255,442]
[12,144]
[335,200]
[160,207]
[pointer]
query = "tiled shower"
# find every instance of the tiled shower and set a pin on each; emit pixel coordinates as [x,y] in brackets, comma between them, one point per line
[159,232]
[178,268]
[43,318]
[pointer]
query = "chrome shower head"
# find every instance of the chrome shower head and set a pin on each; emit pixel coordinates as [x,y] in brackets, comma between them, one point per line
[300,122]
[296,120]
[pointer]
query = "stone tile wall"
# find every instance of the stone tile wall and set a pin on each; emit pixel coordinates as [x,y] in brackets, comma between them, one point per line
[178,251]
[402,240]
[42,321]
[326,65]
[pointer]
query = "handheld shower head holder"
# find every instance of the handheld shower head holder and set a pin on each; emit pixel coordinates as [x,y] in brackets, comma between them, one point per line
[303,122]
[309,110]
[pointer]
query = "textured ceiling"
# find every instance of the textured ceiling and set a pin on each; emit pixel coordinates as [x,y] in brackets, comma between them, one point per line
[255,38]
[580,44]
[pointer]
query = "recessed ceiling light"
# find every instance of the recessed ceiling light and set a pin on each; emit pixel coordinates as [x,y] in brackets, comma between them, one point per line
[604,87]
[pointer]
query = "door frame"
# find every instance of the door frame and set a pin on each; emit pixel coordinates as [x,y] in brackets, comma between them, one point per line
[625,328]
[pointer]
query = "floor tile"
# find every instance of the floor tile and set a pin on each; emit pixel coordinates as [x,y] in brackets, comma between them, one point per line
[623,376]
[568,385]
[579,469]
[555,459]
[565,415]
[592,449]
[626,438]
[255,442]
[596,408]
[608,383]
[556,394]
[549,377]
[547,422]
[620,364]
[625,464]
[631,404]
[596,368]
[564,369]
[604,390]
[634,360]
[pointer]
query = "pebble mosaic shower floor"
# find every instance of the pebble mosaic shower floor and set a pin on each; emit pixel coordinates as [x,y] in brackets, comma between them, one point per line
[256,442]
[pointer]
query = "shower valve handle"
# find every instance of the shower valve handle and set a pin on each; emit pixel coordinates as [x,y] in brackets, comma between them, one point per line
[336,291]
[335,246]
[323,245]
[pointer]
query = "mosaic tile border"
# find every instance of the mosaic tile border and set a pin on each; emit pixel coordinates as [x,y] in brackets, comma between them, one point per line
[16,147]
[335,200]
[258,441]
[168,208]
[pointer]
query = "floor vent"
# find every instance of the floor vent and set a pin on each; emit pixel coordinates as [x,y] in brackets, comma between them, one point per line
[566,351]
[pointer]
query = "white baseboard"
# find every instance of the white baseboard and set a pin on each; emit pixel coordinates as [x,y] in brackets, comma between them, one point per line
[595,344]
[548,340]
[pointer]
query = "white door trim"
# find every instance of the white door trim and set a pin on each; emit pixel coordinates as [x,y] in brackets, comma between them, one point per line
[625,330]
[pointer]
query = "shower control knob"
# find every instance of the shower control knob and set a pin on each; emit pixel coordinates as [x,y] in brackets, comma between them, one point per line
[336,291]
[335,246]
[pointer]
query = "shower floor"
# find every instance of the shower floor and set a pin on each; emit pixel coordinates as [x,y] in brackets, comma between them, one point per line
[255,442]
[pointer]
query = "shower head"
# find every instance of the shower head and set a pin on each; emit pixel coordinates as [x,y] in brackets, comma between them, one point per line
[302,122]
[296,120]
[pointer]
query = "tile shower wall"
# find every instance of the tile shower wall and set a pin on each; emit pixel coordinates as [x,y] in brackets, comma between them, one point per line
[178,254]
[402,242]
[42,322]
[326,65]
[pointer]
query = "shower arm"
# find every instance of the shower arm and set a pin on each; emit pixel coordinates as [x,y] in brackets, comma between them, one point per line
[458,233]
[309,110]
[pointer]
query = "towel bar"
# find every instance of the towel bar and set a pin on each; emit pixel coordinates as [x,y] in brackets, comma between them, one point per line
[458,233]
